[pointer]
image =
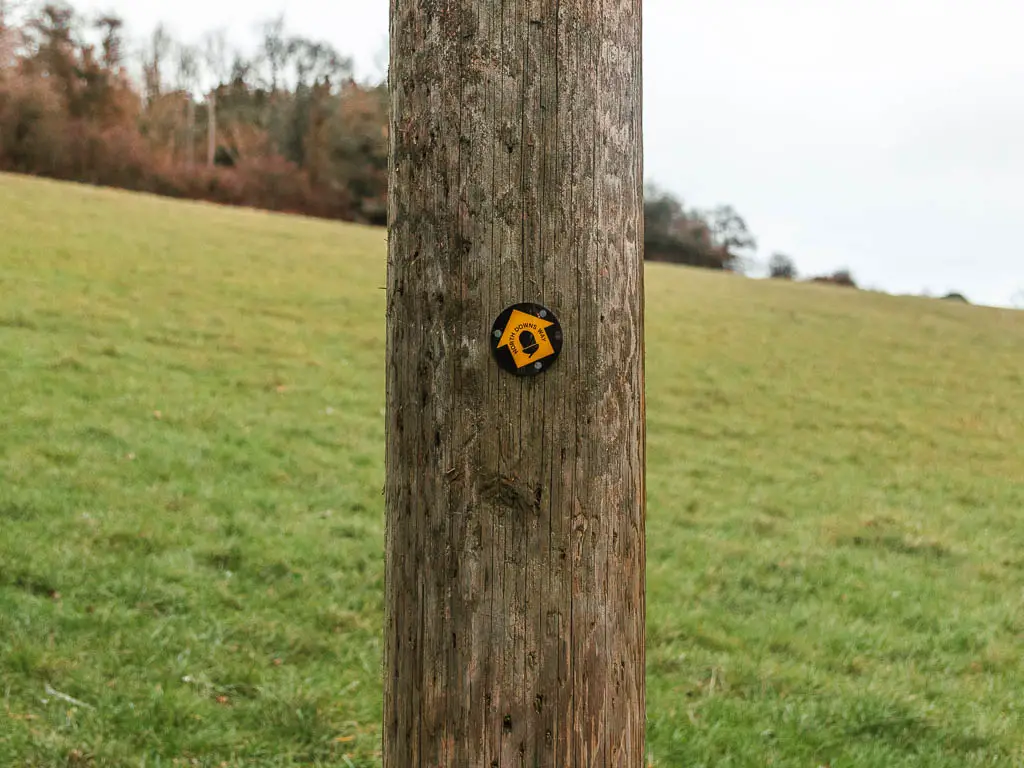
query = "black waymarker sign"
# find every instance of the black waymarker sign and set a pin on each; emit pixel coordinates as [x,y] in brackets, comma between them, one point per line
[526,339]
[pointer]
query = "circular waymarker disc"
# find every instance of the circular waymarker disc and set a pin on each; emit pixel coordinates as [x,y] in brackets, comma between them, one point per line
[526,339]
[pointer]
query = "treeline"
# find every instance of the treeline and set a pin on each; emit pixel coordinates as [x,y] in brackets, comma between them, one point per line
[715,239]
[287,128]
[283,127]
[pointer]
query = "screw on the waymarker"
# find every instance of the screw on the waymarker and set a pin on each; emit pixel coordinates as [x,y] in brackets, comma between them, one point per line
[538,366]
[497,334]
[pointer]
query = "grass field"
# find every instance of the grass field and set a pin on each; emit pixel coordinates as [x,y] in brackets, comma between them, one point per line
[191,531]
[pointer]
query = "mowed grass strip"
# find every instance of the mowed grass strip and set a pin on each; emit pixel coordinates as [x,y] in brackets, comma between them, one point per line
[191,519]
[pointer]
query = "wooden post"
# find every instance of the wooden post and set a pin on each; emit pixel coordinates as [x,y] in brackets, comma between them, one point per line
[514,628]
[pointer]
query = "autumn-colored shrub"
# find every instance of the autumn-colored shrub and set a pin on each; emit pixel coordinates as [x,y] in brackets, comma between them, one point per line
[69,113]
[268,183]
[32,125]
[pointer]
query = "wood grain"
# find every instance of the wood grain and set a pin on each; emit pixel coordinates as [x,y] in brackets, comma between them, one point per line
[515,507]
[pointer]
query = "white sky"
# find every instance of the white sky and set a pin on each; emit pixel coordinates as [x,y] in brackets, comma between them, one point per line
[886,136]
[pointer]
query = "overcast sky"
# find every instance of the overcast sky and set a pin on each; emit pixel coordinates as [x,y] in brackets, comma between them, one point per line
[886,136]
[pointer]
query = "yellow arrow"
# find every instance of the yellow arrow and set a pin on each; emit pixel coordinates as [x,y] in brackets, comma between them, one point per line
[518,324]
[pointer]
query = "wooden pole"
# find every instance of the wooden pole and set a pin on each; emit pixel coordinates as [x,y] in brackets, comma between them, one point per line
[515,505]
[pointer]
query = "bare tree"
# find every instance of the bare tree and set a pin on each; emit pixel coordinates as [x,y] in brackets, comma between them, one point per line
[112,27]
[10,34]
[188,81]
[51,30]
[275,50]
[730,230]
[188,68]
[317,62]
[154,59]
[216,55]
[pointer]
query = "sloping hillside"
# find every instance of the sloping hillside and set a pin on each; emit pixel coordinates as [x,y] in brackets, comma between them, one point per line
[191,533]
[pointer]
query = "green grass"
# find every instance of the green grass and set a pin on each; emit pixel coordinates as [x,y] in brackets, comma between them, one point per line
[191,526]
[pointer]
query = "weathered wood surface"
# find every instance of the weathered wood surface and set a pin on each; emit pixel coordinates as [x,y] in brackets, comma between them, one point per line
[515,507]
